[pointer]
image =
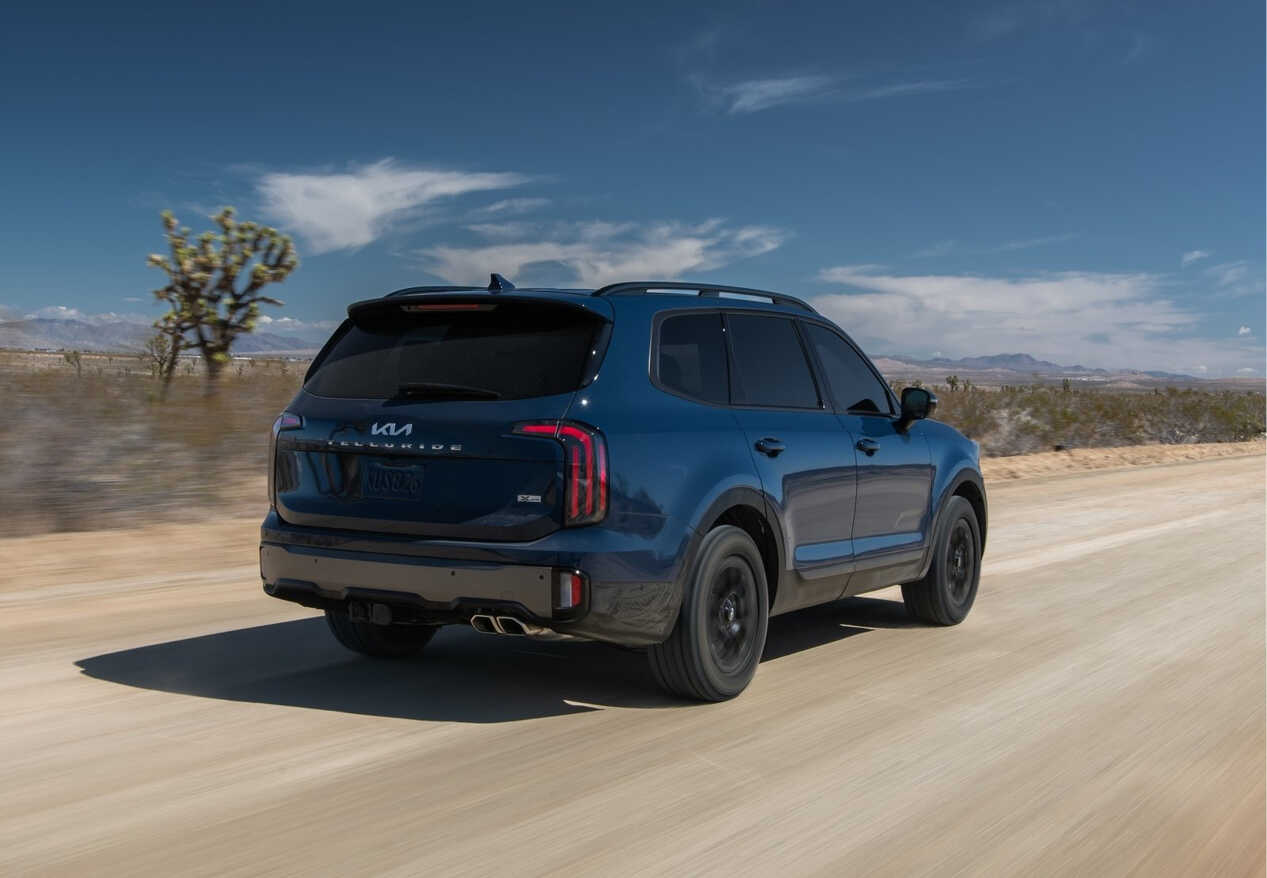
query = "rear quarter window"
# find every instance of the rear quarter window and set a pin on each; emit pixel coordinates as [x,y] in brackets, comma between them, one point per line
[691,357]
[510,350]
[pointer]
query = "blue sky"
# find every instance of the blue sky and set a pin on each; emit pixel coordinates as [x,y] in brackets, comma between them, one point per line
[1080,181]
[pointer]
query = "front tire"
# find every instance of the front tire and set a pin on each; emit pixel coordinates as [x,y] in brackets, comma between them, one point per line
[946,593]
[716,645]
[379,641]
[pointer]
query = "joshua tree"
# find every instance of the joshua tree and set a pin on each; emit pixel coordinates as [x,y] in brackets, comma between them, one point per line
[76,359]
[952,381]
[159,354]
[215,284]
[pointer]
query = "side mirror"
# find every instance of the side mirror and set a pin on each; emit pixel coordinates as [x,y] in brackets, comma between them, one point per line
[917,403]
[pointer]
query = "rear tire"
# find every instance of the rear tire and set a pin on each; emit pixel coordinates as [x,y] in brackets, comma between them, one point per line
[946,593]
[720,633]
[379,641]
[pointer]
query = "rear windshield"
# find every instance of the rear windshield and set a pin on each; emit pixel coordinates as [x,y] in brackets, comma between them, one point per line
[503,351]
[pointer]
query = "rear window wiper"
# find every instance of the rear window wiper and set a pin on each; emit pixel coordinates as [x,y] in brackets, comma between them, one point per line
[433,390]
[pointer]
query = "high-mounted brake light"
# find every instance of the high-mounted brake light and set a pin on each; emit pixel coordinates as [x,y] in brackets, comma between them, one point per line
[584,468]
[455,306]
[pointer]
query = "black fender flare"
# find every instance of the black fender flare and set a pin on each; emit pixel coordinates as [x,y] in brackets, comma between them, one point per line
[735,496]
[964,474]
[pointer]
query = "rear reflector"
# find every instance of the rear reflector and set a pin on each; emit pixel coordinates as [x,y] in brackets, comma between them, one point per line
[584,468]
[570,590]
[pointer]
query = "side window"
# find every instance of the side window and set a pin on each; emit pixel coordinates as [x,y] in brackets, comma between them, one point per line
[692,357]
[770,365]
[852,382]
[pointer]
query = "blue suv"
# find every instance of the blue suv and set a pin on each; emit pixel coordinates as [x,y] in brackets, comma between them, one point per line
[660,465]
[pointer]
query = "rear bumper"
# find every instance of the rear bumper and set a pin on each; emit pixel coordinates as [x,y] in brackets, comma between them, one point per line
[632,599]
[442,586]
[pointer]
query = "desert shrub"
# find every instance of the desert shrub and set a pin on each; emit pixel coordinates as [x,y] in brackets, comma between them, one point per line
[102,450]
[1018,420]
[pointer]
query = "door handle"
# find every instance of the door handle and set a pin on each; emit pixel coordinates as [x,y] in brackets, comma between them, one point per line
[770,446]
[868,446]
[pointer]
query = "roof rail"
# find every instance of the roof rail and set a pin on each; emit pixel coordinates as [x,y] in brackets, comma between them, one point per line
[641,288]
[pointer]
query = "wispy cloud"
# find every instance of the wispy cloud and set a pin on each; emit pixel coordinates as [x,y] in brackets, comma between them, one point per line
[932,251]
[903,89]
[593,253]
[294,324]
[1227,274]
[1244,330]
[1140,44]
[945,248]
[1193,256]
[754,95]
[1030,243]
[65,312]
[511,207]
[1094,318]
[995,23]
[1008,18]
[346,209]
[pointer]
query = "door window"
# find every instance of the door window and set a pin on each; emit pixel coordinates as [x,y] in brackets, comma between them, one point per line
[770,364]
[855,386]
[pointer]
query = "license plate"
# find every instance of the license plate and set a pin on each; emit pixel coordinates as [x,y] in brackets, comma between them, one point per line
[393,482]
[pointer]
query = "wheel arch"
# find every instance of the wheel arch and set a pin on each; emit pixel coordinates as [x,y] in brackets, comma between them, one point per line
[748,509]
[965,482]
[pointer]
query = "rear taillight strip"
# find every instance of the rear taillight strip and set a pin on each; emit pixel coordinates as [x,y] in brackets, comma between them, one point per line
[584,467]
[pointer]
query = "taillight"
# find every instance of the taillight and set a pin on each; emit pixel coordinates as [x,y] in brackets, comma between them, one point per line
[584,468]
[285,421]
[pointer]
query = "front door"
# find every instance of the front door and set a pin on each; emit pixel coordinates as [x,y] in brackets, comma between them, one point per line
[892,515]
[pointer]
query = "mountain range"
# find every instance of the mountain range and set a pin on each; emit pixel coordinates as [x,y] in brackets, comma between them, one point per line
[1026,364]
[122,334]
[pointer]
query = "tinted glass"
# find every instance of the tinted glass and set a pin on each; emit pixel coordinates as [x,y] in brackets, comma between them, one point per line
[692,357]
[852,382]
[508,351]
[770,366]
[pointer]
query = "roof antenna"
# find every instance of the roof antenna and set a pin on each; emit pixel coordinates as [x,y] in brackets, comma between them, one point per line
[499,284]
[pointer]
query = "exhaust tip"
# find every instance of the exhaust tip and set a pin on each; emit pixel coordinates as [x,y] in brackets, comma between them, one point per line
[511,625]
[484,624]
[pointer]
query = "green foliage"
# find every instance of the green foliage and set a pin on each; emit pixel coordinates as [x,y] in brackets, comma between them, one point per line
[76,359]
[215,283]
[159,354]
[1019,420]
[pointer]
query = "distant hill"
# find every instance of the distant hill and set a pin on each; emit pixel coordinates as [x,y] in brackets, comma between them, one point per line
[1017,368]
[107,335]
[45,333]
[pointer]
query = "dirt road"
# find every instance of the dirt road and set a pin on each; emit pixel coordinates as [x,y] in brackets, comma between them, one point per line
[1101,712]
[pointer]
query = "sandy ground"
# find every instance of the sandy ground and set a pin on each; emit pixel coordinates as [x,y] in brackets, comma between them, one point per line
[1101,712]
[1023,466]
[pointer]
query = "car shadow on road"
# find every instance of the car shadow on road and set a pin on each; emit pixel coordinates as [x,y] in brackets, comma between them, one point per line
[462,677]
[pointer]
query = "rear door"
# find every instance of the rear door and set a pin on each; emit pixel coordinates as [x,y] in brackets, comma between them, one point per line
[803,455]
[410,417]
[894,468]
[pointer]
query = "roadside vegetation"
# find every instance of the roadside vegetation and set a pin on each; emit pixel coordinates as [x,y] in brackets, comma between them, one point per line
[88,441]
[1023,420]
